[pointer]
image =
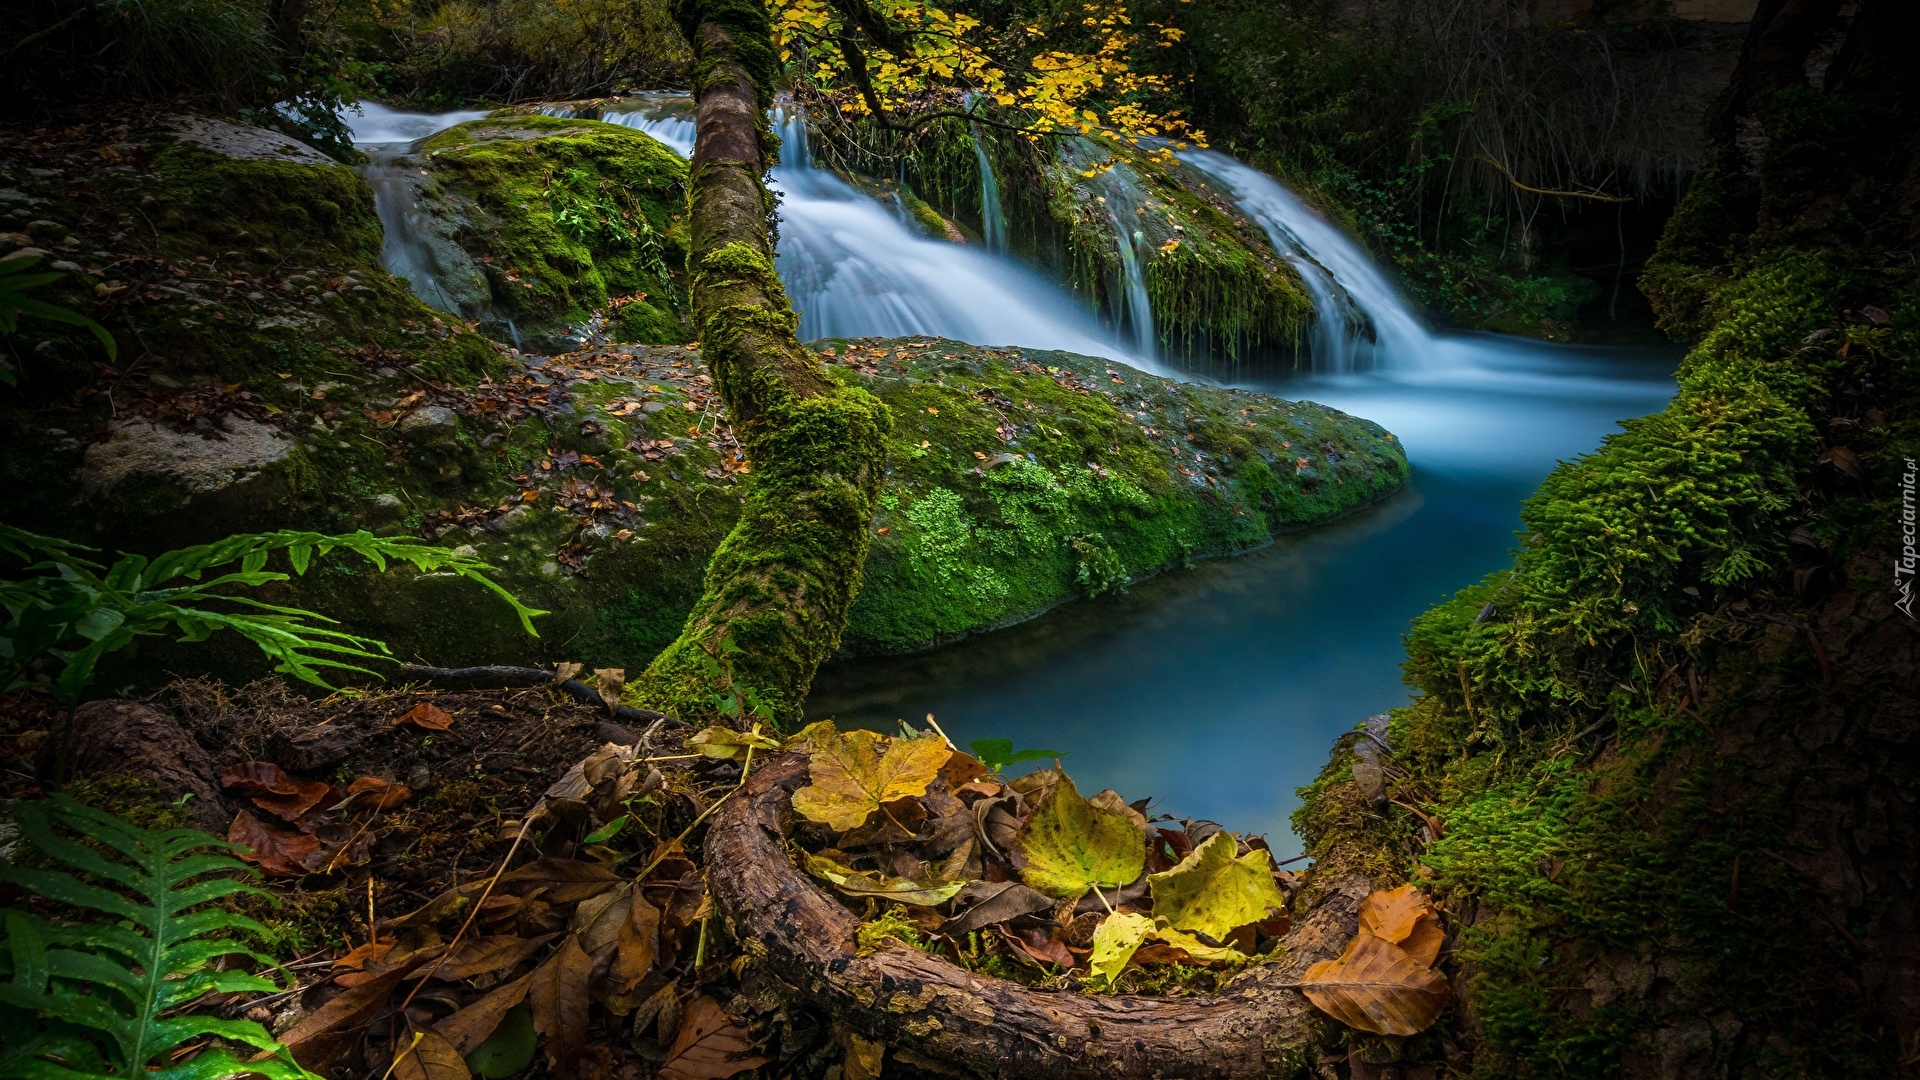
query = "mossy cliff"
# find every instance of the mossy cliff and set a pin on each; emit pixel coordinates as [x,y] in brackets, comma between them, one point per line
[1068,205]
[1662,773]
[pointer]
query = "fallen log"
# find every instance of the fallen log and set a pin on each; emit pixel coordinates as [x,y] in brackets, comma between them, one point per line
[916,1001]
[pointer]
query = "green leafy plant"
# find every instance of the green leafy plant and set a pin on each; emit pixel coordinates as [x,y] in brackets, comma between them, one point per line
[997,754]
[104,998]
[76,611]
[14,302]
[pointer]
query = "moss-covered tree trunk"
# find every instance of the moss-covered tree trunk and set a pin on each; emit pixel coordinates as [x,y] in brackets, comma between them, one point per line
[779,587]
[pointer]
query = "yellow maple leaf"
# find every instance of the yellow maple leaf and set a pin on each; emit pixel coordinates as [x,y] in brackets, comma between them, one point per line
[852,776]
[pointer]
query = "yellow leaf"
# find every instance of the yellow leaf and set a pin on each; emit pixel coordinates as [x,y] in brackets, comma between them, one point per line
[868,883]
[726,743]
[1115,941]
[1071,845]
[1194,947]
[851,777]
[1211,891]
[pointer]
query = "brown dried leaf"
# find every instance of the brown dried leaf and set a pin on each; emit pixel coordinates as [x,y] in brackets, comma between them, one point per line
[710,1046]
[559,998]
[637,946]
[331,1029]
[477,956]
[1375,986]
[276,852]
[426,715]
[273,790]
[430,1058]
[559,881]
[377,794]
[470,1027]
[362,955]
[1404,917]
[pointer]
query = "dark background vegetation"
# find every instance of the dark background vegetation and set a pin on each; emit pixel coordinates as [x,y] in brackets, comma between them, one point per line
[1416,121]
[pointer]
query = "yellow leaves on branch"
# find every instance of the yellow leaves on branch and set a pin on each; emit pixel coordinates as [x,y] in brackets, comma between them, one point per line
[1384,982]
[1060,91]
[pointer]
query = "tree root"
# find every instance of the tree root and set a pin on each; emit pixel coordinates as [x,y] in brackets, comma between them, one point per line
[936,1010]
[501,676]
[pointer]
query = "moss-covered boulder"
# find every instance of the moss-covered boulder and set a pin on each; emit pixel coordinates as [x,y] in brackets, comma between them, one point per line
[563,218]
[1215,285]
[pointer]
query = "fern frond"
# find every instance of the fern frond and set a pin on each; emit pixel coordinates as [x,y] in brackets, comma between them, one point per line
[92,999]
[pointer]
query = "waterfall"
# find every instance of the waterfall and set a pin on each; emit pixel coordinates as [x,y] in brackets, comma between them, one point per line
[993,225]
[1341,278]
[416,244]
[1122,198]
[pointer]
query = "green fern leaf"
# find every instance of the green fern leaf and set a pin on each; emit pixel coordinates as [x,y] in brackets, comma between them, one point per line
[100,999]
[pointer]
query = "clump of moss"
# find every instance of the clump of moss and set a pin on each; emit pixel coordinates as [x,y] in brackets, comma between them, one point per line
[564,215]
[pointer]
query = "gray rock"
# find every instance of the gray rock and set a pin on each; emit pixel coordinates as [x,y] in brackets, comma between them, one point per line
[185,466]
[433,426]
[385,509]
[244,142]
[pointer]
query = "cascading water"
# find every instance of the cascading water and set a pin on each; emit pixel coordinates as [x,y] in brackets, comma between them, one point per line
[1341,278]
[993,223]
[416,245]
[1124,202]
[852,268]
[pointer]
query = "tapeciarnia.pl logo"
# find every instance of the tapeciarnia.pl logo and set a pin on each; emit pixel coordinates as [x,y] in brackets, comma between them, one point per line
[1903,567]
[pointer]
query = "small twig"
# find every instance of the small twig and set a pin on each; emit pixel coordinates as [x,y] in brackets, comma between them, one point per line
[936,726]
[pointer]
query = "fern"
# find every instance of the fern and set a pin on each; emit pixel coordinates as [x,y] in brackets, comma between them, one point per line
[106,998]
[78,611]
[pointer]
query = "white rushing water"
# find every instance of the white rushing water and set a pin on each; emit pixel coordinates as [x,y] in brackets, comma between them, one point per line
[414,244]
[1340,276]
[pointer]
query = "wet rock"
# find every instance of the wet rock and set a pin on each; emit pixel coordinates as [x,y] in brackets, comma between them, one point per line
[431,425]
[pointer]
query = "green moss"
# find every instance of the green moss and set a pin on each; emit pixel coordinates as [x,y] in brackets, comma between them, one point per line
[565,214]
[1046,476]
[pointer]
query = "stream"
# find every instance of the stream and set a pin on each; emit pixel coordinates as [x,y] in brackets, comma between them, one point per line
[1216,690]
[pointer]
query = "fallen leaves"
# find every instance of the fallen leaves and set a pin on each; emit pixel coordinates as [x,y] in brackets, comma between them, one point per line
[430,1057]
[1375,986]
[867,883]
[1384,982]
[558,995]
[425,715]
[273,790]
[852,777]
[277,852]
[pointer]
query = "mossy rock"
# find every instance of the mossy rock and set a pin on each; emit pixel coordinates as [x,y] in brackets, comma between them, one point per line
[1214,282]
[562,216]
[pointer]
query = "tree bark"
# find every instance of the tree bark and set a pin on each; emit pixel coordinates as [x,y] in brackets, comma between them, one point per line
[993,1027]
[780,585]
